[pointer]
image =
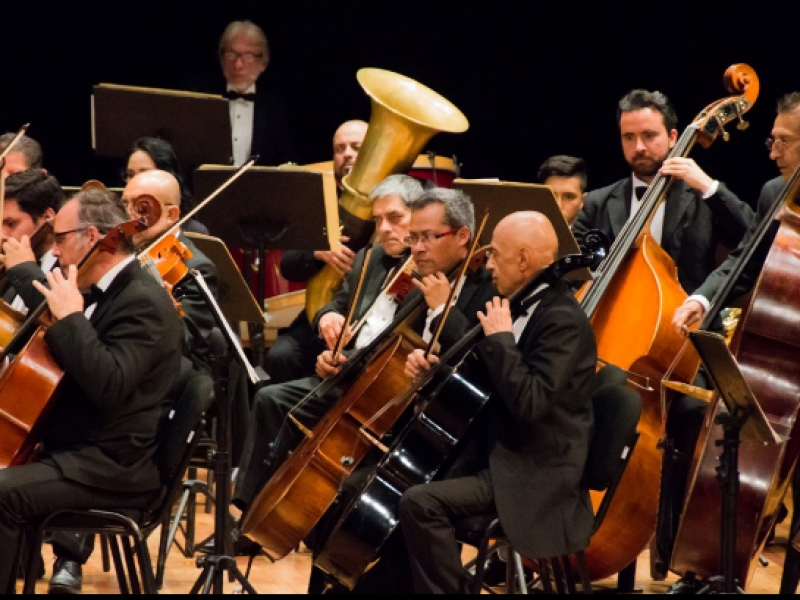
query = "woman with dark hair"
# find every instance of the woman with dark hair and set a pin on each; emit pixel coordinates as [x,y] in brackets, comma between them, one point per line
[150,154]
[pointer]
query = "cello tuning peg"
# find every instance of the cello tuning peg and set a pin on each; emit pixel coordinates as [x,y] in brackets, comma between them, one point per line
[743,125]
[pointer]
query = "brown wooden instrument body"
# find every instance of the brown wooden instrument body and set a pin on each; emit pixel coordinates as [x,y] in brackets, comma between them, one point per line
[34,374]
[169,257]
[633,330]
[766,345]
[307,484]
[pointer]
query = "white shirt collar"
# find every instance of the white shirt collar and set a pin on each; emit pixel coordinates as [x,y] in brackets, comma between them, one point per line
[250,90]
[107,279]
[637,183]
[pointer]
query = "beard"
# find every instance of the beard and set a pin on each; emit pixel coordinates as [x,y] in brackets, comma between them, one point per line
[645,167]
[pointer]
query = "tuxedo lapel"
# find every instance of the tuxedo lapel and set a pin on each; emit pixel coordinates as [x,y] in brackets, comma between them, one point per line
[619,206]
[679,201]
[119,283]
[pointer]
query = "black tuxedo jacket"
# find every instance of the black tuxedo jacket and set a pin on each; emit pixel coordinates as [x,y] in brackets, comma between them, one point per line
[272,139]
[539,423]
[712,285]
[693,227]
[119,369]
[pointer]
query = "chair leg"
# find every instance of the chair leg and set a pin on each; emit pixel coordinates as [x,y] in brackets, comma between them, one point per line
[583,571]
[515,563]
[569,574]
[480,566]
[34,562]
[145,566]
[558,575]
[119,567]
[136,587]
[547,582]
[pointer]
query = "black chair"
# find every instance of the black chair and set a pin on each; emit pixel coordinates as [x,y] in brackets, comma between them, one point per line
[179,438]
[617,410]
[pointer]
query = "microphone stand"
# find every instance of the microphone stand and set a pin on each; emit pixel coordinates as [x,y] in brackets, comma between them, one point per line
[214,566]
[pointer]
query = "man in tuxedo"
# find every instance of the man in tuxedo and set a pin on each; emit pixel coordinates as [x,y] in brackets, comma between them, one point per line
[566,176]
[120,349]
[537,426]
[32,198]
[259,123]
[699,212]
[784,149]
[27,154]
[438,225]
[72,551]
[294,353]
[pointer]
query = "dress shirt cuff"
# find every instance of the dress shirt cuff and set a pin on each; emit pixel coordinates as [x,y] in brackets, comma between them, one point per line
[713,189]
[701,300]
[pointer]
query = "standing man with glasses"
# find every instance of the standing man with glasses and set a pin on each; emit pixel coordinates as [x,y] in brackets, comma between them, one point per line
[784,149]
[259,123]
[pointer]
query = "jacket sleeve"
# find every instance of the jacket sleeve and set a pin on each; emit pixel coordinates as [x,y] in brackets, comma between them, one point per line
[299,266]
[22,278]
[142,332]
[527,384]
[733,217]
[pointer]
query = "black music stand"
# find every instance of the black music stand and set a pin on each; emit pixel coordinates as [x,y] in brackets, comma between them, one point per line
[215,565]
[270,208]
[502,198]
[197,126]
[744,418]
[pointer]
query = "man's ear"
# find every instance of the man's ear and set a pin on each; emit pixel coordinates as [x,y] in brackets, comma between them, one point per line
[93,234]
[525,257]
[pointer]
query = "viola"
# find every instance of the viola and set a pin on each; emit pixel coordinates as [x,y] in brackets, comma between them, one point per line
[29,385]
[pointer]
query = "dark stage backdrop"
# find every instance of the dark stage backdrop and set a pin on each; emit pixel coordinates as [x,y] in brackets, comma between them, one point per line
[534,78]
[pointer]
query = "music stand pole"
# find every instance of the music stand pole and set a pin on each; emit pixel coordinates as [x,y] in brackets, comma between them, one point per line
[215,565]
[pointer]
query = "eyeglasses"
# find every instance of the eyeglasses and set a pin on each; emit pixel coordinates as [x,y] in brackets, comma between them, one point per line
[60,238]
[248,58]
[427,237]
[778,144]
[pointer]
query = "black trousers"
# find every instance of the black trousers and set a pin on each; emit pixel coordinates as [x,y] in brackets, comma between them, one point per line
[35,491]
[427,517]
[271,436]
[294,354]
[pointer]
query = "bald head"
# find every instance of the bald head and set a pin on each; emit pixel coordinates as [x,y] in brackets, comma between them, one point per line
[523,244]
[163,187]
[346,144]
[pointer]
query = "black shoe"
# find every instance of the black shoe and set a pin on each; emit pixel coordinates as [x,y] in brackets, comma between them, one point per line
[67,578]
[685,585]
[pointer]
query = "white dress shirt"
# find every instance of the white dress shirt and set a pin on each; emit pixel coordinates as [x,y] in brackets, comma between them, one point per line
[380,317]
[242,120]
[106,281]
[657,227]
[47,262]
[522,321]
[427,334]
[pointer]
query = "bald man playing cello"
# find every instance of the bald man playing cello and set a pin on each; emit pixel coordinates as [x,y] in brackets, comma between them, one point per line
[536,427]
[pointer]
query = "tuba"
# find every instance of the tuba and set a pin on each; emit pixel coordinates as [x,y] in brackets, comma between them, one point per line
[405,115]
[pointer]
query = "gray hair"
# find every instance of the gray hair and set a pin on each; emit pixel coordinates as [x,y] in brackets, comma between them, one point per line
[458,208]
[249,29]
[408,188]
[26,146]
[103,210]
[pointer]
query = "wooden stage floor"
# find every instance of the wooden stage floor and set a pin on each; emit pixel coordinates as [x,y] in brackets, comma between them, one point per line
[290,576]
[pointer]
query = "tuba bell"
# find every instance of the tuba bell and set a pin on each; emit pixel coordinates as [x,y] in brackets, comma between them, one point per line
[405,116]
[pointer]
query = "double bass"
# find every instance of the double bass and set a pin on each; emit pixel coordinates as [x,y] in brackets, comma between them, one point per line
[766,345]
[630,305]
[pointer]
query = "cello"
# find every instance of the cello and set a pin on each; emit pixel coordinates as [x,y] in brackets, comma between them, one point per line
[29,384]
[306,485]
[765,345]
[448,403]
[630,305]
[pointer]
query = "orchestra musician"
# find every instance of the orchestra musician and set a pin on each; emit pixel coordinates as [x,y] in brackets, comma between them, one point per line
[699,212]
[73,551]
[32,197]
[536,429]
[438,226]
[155,154]
[567,177]
[294,353]
[687,414]
[27,154]
[120,350]
[259,121]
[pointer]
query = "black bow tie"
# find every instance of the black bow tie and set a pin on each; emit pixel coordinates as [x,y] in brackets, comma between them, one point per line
[92,296]
[640,191]
[237,96]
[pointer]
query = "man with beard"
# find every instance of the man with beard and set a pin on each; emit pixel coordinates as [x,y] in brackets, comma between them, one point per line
[699,213]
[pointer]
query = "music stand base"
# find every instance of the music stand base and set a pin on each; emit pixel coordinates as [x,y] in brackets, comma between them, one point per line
[212,576]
